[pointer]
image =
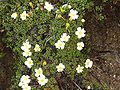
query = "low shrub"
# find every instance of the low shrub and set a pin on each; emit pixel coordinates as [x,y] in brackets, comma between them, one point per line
[48,38]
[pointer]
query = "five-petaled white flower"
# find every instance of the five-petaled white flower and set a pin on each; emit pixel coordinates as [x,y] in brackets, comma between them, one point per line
[88,87]
[27,53]
[80,32]
[88,63]
[29,62]
[73,14]
[60,44]
[80,45]
[79,69]
[64,37]
[48,6]
[38,72]
[25,79]
[14,15]
[26,46]
[23,15]
[69,6]
[60,67]
[42,80]
[82,20]
[26,87]
[37,48]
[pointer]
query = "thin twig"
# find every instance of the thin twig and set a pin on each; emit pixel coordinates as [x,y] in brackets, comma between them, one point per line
[49,39]
[77,86]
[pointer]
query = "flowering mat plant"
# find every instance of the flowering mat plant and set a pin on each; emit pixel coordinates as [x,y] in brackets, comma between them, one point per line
[49,40]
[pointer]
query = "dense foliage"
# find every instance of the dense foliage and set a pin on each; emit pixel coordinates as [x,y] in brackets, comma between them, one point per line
[45,28]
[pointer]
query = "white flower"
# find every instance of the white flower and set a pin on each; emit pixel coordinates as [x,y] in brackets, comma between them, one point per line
[14,15]
[25,79]
[64,37]
[73,14]
[26,87]
[29,63]
[69,6]
[79,69]
[23,15]
[42,80]
[88,63]
[82,20]
[60,44]
[60,67]
[80,45]
[37,48]
[27,53]
[26,46]
[48,6]
[88,87]
[38,72]
[80,32]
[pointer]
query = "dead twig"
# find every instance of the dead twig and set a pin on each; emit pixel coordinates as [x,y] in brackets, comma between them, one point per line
[77,85]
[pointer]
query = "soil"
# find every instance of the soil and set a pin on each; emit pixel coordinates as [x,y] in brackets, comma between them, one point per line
[6,64]
[6,67]
[105,39]
[105,53]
